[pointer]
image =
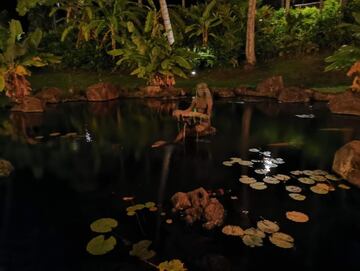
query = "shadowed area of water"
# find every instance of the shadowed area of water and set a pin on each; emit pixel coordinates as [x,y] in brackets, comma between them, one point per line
[61,184]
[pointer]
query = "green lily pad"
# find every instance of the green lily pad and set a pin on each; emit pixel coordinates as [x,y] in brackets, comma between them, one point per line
[99,246]
[141,250]
[150,204]
[103,225]
[173,265]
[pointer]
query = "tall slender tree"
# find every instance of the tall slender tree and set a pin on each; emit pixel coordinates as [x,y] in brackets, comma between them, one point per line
[250,34]
[167,23]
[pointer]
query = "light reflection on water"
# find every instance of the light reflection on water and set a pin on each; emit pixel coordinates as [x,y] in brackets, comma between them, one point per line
[61,184]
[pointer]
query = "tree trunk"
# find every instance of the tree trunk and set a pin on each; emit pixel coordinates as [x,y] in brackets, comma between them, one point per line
[140,3]
[321,4]
[250,34]
[287,6]
[183,4]
[167,23]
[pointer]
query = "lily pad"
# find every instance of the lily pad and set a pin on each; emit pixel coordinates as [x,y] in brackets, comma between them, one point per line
[318,178]
[54,134]
[131,213]
[5,168]
[344,186]
[308,172]
[271,180]
[100,246]
[268,226]
[319,189]
[141,250]
[227,163]
[173,265]
[241,162]
[103,225]
[282,177]
[252,240]
[293,188]
[306,180]
[246,179]
[297,216]
[297,196]
[296,172]
[262,171]
[233,230]
[282,240]
[258,186]
[332,177]
[254,150]
[150,204]
[320,172]
[254,231]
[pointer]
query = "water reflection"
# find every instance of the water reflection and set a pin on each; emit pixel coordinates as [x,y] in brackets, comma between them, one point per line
[63,183]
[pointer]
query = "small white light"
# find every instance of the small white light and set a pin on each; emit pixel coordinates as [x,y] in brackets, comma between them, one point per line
[193,73]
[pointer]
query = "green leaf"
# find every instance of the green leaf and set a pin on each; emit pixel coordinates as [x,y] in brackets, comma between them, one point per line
[141,250]
[130,27]
[173,265]
[208,9]
[66,32]
[103,225]
[178,72]
[116,52]
[182,62]
[99,246]
[2,82]
[149,21]
[35,37]
[89,12]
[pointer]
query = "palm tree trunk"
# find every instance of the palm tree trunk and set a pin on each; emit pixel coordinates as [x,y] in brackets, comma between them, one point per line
[250,34]
[183,4]
[167,23]
[287,6]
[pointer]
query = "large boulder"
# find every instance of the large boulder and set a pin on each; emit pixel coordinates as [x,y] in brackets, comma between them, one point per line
[102,92]
[346,103]
[295,95]
[50,95]
[29,105]
[270,87]
[347,162]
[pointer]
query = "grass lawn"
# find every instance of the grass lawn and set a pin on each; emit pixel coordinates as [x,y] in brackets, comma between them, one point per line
[306,71]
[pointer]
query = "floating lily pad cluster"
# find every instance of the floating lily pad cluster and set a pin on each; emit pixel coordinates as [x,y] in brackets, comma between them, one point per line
[236,160]
[138,207]
[99,245]
[253,237]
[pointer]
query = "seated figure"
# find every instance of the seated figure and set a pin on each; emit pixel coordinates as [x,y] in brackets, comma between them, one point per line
[197,117]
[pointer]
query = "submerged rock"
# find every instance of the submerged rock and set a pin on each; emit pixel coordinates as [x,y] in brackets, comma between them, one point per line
[5,168]
[347,162]
[29,105]
[197,205]
[102,92]
[346,103]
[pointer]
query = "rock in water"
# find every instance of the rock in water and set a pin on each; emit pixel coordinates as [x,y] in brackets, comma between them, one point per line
[347,162]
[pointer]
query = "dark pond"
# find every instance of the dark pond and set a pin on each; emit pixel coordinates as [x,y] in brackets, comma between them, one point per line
[61,185]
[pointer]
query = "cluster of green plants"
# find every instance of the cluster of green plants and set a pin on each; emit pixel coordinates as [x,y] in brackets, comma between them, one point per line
[215,30]
[97,34]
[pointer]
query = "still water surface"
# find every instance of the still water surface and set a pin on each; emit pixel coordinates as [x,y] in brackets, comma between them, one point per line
[60,185]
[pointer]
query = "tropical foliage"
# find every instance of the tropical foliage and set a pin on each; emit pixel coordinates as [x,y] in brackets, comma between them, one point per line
[17,53]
